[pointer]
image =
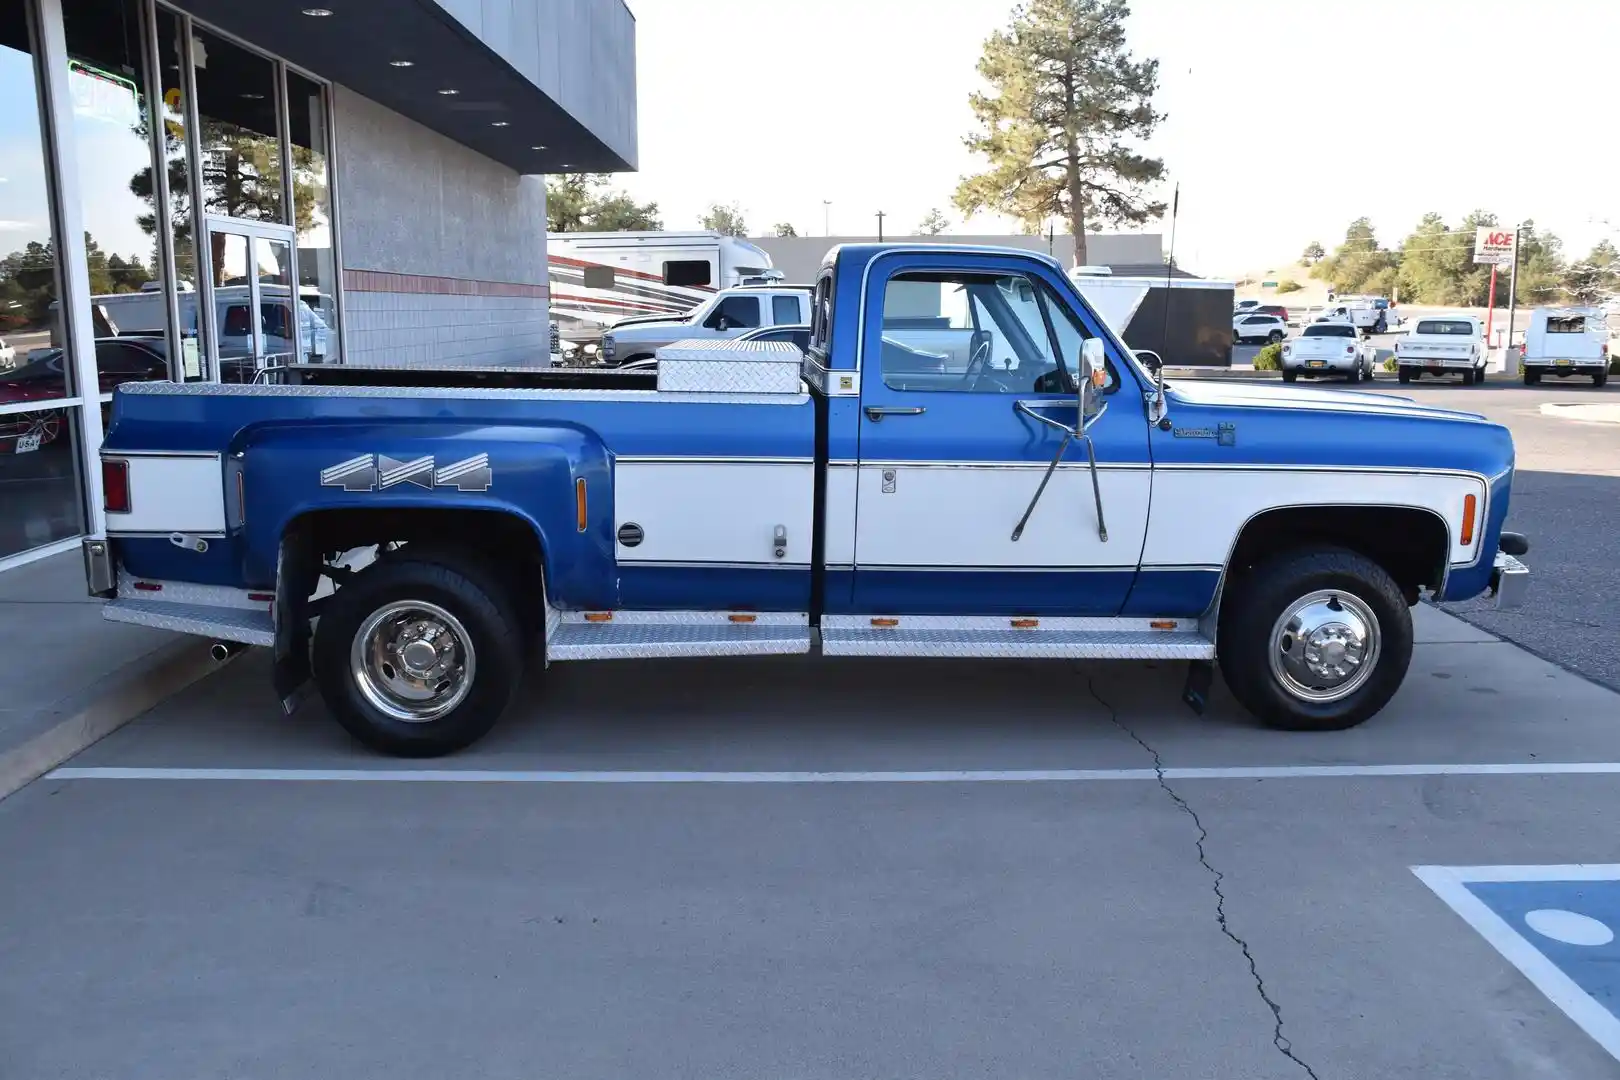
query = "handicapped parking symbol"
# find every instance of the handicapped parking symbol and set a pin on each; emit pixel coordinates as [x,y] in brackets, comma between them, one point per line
[1559,925]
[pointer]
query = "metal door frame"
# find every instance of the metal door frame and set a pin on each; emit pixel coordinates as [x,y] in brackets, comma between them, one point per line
[253,232]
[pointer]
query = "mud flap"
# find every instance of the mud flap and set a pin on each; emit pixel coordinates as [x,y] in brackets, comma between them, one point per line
[295,580]
[1195,691]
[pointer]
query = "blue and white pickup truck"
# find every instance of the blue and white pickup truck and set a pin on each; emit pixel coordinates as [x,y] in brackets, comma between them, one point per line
[966,464]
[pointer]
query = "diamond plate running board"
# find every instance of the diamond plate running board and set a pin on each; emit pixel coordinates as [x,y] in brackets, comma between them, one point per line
[649,640]
[204,620]
[1037,644]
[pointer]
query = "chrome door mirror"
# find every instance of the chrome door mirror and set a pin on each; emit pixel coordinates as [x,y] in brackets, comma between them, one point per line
[1150,360]
[1093,376]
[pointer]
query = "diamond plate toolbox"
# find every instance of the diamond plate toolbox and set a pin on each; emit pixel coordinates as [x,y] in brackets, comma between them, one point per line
[729,367]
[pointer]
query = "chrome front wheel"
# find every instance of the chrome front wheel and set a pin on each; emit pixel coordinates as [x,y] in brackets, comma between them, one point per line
[413,661]
[1324,646]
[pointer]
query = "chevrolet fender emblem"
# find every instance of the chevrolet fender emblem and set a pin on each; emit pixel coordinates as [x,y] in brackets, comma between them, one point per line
[378,472]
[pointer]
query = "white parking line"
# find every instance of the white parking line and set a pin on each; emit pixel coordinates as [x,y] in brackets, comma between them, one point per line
[966,776]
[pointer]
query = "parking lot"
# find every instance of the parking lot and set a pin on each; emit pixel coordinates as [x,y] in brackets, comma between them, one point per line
[788,868]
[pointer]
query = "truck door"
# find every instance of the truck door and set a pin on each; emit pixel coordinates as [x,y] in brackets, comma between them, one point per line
[955,357]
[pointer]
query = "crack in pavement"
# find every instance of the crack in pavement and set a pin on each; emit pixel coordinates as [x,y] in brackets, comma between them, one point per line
[1278,1039]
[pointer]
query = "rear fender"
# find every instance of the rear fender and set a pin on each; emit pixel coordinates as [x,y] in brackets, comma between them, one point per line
[527,471]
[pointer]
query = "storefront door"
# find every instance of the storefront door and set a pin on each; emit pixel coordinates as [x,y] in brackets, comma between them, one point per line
[255,320]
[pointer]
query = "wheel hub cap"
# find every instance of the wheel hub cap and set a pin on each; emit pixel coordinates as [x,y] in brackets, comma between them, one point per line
[1325,646]
[413,661]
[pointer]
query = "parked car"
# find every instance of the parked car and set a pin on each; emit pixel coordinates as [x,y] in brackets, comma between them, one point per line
[1363,316]
[1330,348]
[1566,341]
[41,379]
[728,314]
[1284,533]
[1267,328]
[8,355]
[794,335]
[1443,345]
[1244,307]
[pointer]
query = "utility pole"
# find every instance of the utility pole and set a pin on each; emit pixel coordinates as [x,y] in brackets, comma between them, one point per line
[880,216]
[1513,284]
[826,217]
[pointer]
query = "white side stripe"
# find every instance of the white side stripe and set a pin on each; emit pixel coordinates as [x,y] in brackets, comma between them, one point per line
[966,776]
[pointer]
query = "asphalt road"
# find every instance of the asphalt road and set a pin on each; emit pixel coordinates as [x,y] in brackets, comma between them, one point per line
[801,870]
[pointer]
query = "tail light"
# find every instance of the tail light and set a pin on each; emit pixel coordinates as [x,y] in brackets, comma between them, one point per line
[115,485]
[1349,350]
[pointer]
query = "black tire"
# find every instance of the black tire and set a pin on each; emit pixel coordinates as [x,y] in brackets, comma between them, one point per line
[1289,376]
[1355,375]
[1532,378]
[1237,338]
[1275,336]
[1260,597]
[492,628]
[1600,379]
[1403,375]
[1468,377]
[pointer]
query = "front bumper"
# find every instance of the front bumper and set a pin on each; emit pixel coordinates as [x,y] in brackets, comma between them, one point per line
[1510,579]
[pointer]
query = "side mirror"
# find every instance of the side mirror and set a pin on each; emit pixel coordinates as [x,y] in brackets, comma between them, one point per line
[1092,377]
[1150,359]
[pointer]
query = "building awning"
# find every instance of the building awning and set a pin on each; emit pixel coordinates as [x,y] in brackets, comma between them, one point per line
[495,110]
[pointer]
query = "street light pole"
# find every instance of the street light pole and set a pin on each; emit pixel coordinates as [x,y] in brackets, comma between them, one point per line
[880,216]
[1513,285]
[826,217]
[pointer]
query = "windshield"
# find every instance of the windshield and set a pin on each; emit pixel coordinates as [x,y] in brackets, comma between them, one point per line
[1446,327]
[1329,330]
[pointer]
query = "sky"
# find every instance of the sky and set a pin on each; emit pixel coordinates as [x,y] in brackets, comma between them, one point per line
[1286,118]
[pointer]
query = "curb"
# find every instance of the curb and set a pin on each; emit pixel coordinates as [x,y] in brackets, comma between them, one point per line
[124,698]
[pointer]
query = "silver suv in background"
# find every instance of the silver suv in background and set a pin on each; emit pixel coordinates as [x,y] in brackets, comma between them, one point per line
[730,313]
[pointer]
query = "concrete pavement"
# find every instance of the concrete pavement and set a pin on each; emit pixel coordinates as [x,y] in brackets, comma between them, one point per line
[983,925]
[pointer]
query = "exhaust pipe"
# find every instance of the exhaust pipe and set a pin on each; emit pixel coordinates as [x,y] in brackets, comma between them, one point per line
[222,651]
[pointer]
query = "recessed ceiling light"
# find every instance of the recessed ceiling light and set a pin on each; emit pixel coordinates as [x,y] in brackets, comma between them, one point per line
[447,91]
[254,97]
[499,123]
[318,12]
[402,63]
[539,148]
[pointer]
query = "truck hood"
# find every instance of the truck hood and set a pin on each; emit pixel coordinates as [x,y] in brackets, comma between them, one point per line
[651,324]
[1217,393]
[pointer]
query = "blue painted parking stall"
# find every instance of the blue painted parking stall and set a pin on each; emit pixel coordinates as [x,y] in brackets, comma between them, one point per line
[1559,925]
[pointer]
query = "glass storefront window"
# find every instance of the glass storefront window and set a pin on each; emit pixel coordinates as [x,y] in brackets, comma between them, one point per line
[312,204]
[107,80]
[189,367]
[241,153]
[39,487]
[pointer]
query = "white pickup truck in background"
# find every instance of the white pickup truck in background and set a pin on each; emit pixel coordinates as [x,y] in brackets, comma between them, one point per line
[1443,345]
[1327,348]
[1361,314]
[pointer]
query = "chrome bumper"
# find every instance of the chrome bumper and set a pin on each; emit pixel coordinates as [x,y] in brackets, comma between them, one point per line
[1509,581]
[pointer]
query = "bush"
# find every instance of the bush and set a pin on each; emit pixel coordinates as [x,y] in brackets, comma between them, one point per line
[1614,365]
[1288,285]
[1269,358]
[1390,364]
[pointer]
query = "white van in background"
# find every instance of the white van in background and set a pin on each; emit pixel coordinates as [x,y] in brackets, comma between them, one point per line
[1565,341]
[600,279]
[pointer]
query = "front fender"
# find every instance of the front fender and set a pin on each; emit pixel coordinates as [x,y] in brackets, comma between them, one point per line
[526,470]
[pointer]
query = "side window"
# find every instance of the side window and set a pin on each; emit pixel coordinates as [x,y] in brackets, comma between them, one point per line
[237,322]
[976,333]
[599,277]
[821,314]
[688,272]
[734,312]
[785,311]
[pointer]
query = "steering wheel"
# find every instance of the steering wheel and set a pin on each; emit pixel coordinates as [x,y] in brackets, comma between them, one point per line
[975,365]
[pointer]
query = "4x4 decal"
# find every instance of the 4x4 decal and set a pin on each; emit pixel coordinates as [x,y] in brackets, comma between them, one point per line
[377,472]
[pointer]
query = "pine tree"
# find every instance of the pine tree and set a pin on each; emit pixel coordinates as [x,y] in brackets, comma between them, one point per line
[1067,100]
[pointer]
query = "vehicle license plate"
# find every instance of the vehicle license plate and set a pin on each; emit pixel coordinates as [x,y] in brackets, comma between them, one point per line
[27,444]
[1318,363]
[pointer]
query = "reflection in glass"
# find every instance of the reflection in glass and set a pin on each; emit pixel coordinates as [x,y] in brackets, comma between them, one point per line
[106,77]
[317,274]
[190,366]
[233,305]
[28,287]
[241,154]
[275,302]
[39,478]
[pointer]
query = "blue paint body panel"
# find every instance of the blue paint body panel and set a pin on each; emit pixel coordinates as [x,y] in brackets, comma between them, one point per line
[1181,594]
[540,443]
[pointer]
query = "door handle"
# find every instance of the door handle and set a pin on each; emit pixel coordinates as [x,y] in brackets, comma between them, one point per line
[875,413]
